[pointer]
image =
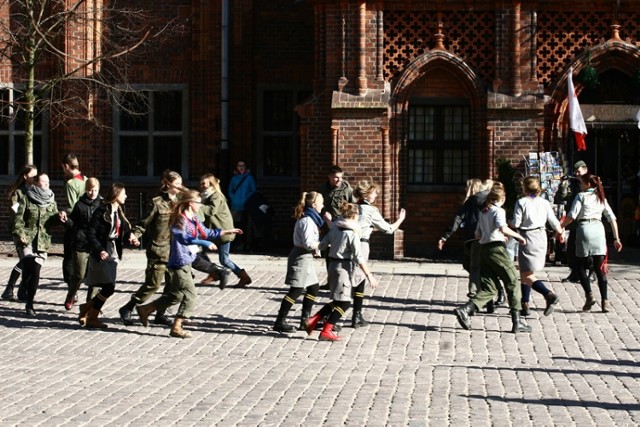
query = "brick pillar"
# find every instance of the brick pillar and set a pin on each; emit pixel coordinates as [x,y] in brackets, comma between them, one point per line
[362,50]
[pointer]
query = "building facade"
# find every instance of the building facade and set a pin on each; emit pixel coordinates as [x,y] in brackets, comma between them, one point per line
[418,95]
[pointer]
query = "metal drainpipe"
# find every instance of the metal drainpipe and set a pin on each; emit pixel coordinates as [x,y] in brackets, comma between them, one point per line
[224,80]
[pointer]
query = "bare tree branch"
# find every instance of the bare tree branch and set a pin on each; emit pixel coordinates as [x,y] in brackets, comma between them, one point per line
[40,41]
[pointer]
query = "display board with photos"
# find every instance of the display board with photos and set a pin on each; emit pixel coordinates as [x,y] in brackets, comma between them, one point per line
[548,167]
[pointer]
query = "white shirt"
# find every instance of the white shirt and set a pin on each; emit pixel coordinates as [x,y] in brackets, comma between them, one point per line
[370,219]
[490,223]
[587,206]
[306,234]
[532,213]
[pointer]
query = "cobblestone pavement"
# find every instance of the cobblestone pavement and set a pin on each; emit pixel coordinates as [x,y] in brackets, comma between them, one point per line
[413,366]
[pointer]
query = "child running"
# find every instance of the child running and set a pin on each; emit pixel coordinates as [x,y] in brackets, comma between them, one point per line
[301,273]
[344,255]
[495,263]
[187,232]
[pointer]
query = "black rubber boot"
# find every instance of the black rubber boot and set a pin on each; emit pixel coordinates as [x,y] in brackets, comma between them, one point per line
[464,313]
[224,274]
[282,326]
[125,313]
[162,319]
[303,316]
[519,325]
[8,295]
[357,320]
[524,311]
[490,307]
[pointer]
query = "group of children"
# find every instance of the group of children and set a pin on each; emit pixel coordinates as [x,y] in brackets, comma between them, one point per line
[178,224]
[346,240]
[532,214]
[96,229]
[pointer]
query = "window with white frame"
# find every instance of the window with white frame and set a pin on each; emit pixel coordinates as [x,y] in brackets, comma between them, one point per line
[150,132]
[279,133]
[439,144]
[12,133]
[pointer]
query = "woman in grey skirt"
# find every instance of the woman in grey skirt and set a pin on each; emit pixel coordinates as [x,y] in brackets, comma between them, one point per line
[530,216]
[301,273]
[588,208]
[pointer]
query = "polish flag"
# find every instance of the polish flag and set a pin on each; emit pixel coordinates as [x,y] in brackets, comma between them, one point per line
[576,121]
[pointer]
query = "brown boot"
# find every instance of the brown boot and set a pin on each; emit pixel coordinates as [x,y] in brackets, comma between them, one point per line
[605,306]
[144,311]
[92,320]
[176,329]
[244,279]
[208,280]
[84,311]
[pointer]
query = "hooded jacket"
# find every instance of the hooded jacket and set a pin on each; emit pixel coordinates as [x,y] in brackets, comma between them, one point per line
[468,215]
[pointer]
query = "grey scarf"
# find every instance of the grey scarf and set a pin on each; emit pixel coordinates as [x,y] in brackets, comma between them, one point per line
[40,196]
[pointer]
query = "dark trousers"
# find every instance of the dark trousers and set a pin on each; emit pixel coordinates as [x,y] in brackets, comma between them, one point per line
[31,277]
[583,264]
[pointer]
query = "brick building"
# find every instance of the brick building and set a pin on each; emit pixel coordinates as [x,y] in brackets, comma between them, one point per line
[419,95]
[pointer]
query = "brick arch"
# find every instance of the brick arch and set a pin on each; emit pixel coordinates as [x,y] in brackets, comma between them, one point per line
[617,55]
[609,55]
[422,65]
[430,208]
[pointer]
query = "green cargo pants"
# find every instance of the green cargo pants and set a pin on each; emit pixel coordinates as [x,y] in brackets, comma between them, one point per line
[495,265]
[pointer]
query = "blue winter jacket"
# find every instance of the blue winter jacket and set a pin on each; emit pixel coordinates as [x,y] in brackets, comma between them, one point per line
[241,187]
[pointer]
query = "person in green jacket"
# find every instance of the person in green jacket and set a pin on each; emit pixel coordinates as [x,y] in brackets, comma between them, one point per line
[215,213]
[157,237]
[17,193]
[74,188]
[30,231]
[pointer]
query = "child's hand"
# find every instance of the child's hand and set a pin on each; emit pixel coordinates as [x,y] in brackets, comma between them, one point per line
[373,282]
[232,231]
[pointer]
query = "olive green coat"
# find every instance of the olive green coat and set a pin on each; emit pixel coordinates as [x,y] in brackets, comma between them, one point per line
[215,213]
[156,230]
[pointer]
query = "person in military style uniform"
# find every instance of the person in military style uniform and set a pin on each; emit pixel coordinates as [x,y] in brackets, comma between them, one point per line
[157,237]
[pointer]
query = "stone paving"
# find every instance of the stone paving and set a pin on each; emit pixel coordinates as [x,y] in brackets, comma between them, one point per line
[414,366]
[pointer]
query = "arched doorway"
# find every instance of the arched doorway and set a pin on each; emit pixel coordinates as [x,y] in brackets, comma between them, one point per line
[613,143]
[440,127]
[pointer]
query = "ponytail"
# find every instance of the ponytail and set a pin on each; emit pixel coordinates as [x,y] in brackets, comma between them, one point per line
[594,181]
[306,199]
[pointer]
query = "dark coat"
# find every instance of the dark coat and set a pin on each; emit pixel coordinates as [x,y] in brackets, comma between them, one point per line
[79,221]
[100,228]
[467,216]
